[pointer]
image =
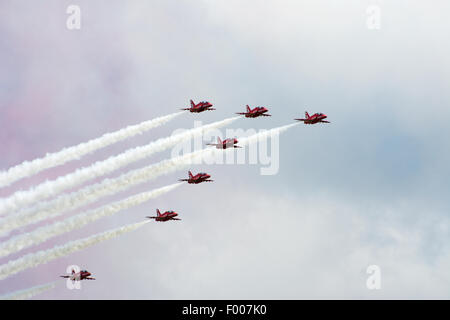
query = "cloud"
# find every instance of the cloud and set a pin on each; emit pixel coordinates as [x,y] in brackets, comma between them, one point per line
[262,246]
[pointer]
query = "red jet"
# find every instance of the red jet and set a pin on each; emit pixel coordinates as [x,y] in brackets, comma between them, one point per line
[200,107]
[227,143]
[254,113]
[78,276]
[315,118]
[198,178]
[166,216]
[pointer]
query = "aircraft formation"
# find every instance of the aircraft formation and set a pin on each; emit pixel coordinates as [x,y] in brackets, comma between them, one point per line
[201,177]
[228,143]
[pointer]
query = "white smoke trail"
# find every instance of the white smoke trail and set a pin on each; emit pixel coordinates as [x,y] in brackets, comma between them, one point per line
[100,168]
[92,193]
[29,168]
[28,293]
[44,256]
[264,134]
[44,233]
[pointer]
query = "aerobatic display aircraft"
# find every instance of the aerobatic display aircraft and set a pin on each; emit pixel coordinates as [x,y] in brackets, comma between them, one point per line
[227,143]
[166,216]
[198,178]
[315,118]
[200,107]
[254,113]
[78,276]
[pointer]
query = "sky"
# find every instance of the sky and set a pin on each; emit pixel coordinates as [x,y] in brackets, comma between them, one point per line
[370,188]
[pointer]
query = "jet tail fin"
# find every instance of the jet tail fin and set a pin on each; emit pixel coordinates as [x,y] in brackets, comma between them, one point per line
[248,109]
[306,114]
[192,103]
[158,212]
[219,141]
[190,174]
